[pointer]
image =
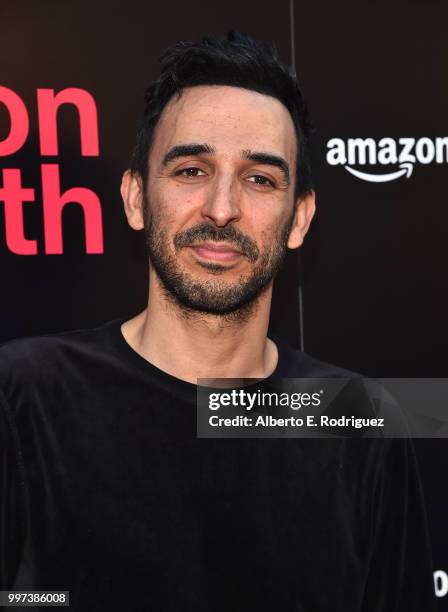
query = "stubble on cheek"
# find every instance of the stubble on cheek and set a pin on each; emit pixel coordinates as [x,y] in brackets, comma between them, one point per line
[234,301]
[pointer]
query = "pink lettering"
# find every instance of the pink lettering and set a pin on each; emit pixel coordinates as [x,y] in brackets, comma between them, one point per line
[47,106]
[18,132]
[53,204]
[13,195]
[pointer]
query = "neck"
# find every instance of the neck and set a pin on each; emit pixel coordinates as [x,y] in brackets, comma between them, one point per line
[190,345]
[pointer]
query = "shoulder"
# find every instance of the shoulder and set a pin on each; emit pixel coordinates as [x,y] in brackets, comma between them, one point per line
[295,363]
[33,352]
[41,360]
[352,393]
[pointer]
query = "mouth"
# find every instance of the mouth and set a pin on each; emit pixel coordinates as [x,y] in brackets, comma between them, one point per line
[217,251]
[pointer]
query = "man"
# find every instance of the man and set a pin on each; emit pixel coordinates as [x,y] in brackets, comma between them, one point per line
[107,491]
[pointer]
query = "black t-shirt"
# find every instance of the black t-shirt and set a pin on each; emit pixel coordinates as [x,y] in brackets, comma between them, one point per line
[107,492]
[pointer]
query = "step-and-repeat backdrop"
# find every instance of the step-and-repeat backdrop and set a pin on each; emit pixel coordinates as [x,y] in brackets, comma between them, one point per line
[370,290]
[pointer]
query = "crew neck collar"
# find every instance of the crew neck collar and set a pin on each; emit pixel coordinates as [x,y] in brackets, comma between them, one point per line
[182,389]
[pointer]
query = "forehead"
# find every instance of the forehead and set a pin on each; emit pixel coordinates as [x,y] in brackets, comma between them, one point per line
[231,119]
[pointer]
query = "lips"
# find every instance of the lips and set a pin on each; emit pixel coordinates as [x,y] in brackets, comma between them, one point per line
[214,250]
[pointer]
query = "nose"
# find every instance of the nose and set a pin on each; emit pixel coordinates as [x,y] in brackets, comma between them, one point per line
[222,205]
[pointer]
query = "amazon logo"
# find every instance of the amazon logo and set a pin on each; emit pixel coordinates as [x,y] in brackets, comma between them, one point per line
[398,156]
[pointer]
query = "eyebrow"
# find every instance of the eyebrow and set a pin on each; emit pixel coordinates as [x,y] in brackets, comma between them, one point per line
[185,150]
[270,160]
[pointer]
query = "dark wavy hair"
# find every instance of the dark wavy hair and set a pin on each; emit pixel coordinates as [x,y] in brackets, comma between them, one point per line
[239,61]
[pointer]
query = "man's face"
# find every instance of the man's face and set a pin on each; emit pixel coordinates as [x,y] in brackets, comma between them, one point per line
[219,206]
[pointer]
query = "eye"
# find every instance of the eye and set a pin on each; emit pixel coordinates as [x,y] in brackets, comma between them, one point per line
[258,179]
[189,172]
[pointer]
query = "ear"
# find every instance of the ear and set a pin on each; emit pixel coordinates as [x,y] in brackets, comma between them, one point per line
[132,193]
[305,209]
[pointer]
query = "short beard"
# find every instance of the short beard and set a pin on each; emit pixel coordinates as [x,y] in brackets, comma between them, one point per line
[233,302]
